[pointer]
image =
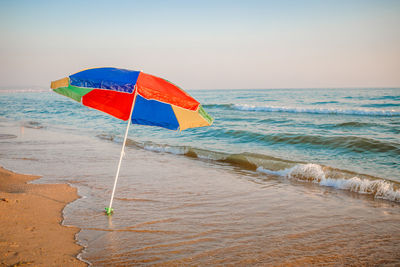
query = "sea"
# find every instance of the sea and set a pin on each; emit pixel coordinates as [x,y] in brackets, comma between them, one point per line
[282,177]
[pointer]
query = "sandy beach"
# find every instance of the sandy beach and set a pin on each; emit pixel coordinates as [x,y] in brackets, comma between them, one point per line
[31,216]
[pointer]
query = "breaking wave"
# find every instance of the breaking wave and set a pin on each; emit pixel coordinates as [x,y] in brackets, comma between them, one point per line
[305,172]
[28,90]
[358,112]
[326,176]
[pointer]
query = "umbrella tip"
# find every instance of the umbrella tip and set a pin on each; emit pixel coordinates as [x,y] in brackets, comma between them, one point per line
[109,211]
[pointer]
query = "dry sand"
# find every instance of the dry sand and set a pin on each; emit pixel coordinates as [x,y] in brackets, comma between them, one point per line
[30,223]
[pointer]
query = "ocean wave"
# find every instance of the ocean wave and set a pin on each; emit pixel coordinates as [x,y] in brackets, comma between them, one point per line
[381,105]
[350,143]
[386,97]
[325,102]
[223,106]
[176,150]
[358,112]
[354,124]
[8,91]
[299,171]
[318,174]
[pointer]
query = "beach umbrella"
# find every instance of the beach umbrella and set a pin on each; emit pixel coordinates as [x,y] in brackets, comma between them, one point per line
[136,97]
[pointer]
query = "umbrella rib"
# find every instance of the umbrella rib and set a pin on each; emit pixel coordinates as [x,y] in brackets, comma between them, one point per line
[109,209]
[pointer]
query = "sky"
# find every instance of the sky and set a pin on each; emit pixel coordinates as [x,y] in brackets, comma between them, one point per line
[205,44]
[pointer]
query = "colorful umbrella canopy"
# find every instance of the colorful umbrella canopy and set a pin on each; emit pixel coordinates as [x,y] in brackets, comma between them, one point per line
[157,101]
[135,96]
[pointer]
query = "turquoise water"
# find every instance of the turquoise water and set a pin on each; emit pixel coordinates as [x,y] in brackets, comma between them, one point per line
[299,176]
[357,130]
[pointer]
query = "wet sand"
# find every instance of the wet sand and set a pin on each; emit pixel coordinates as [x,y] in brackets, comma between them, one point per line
[31,214]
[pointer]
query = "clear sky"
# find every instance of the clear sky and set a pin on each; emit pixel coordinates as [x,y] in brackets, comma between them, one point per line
[205,44]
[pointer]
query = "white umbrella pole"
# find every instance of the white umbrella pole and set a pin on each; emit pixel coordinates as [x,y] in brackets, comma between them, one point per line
[109,210]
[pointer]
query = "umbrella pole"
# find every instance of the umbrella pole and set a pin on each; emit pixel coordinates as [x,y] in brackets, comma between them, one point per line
[110,210]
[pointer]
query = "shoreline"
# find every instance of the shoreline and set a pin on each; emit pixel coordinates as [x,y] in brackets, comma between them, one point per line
[31,229]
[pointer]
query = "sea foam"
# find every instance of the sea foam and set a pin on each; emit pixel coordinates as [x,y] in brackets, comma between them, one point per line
[165,148]
[12,91]
[315,173]
[359,112]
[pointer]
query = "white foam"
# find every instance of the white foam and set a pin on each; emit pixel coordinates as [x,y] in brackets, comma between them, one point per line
[361,112]
[7,91]
[283,172]
[314,173]
[165,149]
[378,188]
